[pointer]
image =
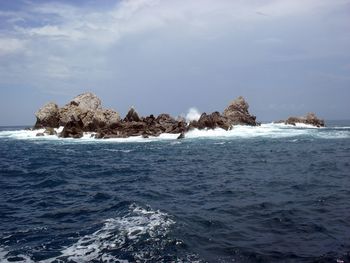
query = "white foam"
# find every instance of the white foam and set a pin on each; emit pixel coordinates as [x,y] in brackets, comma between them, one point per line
[114,234]
[241,131]
[193,115]
[4,258]
[269,130]
[138,222]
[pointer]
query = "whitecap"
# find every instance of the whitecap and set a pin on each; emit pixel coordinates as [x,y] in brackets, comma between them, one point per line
[114,234]
[267,130]
[124,233]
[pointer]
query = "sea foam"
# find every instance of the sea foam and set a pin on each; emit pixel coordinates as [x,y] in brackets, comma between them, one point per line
[139,234]
[268,130]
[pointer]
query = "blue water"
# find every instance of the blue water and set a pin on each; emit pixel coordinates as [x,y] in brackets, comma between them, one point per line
[273,195]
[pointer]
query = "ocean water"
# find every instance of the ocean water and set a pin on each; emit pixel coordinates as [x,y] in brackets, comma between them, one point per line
[273,193]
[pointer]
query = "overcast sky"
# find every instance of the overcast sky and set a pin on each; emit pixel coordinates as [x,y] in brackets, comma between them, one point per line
[285,57]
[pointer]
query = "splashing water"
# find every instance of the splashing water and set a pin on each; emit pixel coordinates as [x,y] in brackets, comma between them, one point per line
[193,115]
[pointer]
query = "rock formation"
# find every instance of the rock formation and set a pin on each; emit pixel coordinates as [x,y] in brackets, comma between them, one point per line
[211,121]
[235,114]
[47,116]
[85,114]
[310,119]
[133,125]
[87,108]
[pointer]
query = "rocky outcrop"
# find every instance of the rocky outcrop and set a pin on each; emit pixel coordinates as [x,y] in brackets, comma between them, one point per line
[237,113]
[132,116]
[134,125]
[87,108]
[47,116]
[211,121]
[310,119]
[85,114]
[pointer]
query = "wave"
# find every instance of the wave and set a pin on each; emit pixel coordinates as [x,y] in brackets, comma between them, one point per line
[268,130]
[137,236]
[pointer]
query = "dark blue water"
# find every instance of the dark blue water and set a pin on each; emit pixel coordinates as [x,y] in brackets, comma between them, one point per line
[259,196]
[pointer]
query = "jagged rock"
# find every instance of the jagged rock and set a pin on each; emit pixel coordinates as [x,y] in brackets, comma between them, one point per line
[87,102]
[112,117]
[73,129]
[100,118]
[310,119]
[211,121]
[82,107]
[47,116]
[237,113]
[87,108]
[133,125]
[132,115]
[50,131]
[39,134]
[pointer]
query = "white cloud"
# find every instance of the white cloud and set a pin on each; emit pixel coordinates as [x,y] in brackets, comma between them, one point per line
[87,40]
[11,46]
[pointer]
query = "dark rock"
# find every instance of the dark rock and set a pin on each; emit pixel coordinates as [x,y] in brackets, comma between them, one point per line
[47,116]
[310,119]
[211,121]
[73,129]
[235,114]
[181,136]
[39,134]
[99,119]
[132,116]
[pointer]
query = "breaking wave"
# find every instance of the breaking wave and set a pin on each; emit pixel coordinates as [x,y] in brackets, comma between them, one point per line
[193,115]
[269,130]
[140,235]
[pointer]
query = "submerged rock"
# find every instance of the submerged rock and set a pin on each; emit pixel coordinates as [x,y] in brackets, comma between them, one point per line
[47,116]
[310,119]
[181,136]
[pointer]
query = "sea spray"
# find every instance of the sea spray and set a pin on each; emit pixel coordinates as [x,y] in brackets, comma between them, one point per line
[193,114]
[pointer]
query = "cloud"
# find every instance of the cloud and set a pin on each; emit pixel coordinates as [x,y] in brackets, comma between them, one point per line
[11,46]
[161,49]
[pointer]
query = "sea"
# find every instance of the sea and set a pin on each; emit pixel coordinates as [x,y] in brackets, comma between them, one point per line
[274,193]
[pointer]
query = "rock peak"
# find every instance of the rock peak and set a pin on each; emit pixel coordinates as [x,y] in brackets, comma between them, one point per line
[132,115]
[87,101]
[237,112]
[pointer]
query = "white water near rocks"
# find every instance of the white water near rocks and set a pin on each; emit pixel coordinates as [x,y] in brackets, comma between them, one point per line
[269,130]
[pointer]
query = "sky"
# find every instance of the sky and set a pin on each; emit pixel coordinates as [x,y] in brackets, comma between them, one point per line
[286,57]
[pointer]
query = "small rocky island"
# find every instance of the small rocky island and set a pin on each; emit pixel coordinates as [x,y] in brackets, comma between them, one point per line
[85,114]
[309,119]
